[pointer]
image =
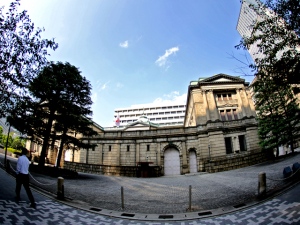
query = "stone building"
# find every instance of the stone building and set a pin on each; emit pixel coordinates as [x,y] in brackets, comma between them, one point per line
[219,133]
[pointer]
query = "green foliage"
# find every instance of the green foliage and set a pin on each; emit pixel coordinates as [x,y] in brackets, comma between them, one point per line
[276,35]
[18,143]
[15,143]
[1,134]
[8,140]
[278,113]
[59,108]
[14,151]
[22,54]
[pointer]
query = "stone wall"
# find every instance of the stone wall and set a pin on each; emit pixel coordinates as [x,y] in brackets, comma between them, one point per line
[212,165]
[231,162]
[128,171]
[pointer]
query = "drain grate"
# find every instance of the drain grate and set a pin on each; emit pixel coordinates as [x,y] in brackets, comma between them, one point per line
[205,213]
[95,209]
[239,205]
[127,214]
[165,216]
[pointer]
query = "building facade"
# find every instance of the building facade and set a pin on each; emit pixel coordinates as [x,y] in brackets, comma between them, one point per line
[162,114]
[219,133]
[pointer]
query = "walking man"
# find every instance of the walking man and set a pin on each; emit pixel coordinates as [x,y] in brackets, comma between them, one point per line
[23,177]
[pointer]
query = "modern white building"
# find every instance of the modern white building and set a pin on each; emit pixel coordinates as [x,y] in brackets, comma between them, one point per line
[161,114]
[247,19]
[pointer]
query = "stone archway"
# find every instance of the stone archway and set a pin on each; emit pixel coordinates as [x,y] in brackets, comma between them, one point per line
[171,162]
[193,161]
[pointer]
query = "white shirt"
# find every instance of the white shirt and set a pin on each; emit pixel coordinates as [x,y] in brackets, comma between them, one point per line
[22,165]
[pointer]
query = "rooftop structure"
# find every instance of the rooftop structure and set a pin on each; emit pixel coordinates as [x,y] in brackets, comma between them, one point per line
[161,114]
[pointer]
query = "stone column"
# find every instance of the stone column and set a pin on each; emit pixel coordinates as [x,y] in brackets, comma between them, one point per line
[137,153]
[251,103]
[101,154]
[206,104]
[158,150]
[184,158]
[240,102]
[119,155]
[212,106]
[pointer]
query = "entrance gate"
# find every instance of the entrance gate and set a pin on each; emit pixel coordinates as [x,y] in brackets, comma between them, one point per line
[171,162]
[193,162]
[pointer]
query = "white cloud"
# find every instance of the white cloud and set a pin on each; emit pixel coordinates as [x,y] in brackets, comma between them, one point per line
[104,86]
[162,60]
[171,98]
[124,44]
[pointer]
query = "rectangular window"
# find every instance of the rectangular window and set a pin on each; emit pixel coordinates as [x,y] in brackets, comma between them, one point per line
[229,97]
[242,141]
[222,113]
[228,145]
[148,148]
[229,115]
[225,97]
[109,148]
[219,97]
[235,114]
[128,148]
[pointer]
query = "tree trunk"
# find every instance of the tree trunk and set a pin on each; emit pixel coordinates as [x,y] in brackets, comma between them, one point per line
[46,139]
[61,149]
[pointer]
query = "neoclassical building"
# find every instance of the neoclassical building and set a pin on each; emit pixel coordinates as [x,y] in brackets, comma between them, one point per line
[219,133]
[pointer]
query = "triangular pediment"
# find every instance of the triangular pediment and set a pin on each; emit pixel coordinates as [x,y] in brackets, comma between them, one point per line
[222,78]
[139,125]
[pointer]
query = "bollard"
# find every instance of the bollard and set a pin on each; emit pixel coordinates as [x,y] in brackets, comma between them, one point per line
[60,188]
[122,197]
[190,198]
[262,184]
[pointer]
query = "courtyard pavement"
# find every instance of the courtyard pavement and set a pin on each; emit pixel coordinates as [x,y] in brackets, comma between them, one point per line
[167,198]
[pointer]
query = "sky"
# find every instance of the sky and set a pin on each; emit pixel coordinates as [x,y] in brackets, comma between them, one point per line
[141,51]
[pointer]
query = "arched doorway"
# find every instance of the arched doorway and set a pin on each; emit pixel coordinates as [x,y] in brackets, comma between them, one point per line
[193,162]
[171,162]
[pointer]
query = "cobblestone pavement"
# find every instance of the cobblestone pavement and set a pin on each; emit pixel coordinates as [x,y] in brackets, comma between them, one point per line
[170,194]
[277,211]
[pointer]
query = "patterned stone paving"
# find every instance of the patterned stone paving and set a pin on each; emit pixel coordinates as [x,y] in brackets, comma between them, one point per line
[275,212]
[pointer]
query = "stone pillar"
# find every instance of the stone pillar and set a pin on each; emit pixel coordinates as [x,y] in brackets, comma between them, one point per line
[158,150]
[102,154]
[206,104]
[119,155]
[245,99]
[262,184]
[184,158]
[137,153]
[251,103]
[60,188]
[240,103]
[212,106]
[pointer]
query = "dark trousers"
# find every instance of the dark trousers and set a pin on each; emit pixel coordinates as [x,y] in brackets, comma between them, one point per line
[23,179]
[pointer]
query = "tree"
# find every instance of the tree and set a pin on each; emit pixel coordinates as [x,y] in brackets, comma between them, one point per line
[1,134]
[64,102]
[278,114]
[22,54]
[276,34]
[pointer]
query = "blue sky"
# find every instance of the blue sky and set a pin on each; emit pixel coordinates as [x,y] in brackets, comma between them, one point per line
[140,51]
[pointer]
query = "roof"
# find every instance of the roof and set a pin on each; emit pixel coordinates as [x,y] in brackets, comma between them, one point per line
[220,78]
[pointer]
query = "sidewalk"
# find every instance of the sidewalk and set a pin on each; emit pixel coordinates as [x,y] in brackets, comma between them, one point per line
[165,195]
[50,210]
